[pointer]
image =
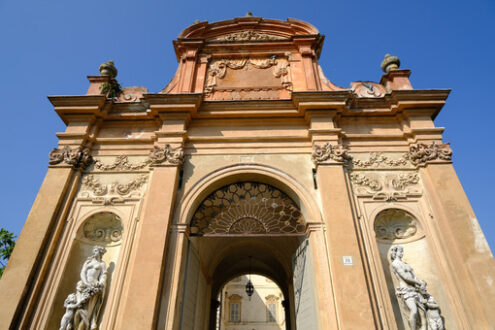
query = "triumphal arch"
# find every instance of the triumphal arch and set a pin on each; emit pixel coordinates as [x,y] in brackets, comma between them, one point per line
[250,161]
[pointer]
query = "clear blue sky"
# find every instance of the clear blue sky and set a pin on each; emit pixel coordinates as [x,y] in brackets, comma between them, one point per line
[48,48]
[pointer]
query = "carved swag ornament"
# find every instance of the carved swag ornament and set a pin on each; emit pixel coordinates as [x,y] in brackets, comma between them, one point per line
[122,189]
[419,154]
[76,157]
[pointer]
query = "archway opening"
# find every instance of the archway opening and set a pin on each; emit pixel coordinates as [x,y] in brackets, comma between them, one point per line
[263,309]
[246,227]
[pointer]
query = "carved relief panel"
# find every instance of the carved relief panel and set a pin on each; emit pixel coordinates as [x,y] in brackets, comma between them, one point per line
[248,79]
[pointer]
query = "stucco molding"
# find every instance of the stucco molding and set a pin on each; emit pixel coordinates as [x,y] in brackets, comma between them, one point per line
[78,157]
[328,153]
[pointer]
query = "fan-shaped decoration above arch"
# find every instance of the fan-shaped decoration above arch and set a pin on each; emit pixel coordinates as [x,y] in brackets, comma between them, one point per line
[248,208]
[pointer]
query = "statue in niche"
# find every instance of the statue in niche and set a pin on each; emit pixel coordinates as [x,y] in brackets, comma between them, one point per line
[83,307]
[424,311]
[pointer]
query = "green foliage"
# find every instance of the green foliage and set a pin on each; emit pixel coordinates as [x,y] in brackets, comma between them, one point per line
[113,88]
[7,243]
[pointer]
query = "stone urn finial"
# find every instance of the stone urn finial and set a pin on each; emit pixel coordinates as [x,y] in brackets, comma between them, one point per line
[108,69]
[390,63]
[249,14]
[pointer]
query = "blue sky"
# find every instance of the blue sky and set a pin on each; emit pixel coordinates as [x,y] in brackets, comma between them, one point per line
[49,47]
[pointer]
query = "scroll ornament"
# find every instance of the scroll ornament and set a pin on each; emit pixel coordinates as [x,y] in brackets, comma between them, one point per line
[167,154]
[121,163]
[82,308]
[248,36]
[218,70]
[100,189]
[420,308]
[363,180]
[77,157]
[422,153]
[327,152]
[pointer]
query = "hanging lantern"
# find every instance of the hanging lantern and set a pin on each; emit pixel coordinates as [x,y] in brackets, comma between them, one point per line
[249,289]
[249,284]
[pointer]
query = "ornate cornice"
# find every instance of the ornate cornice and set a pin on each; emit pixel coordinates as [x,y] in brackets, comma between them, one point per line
[76,157]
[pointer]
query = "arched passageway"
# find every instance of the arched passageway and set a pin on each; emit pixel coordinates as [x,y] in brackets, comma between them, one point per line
[240,228]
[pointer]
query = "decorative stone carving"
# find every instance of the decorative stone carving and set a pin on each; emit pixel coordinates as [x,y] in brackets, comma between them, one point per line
[403,180]
[247,208]
[167,154]
[412,292]
[121,163]
[421,153]
[82,308]
[384,186]
[327,152]
[367,89]
[218,70]
[418,154]
[103,227]
[122,189]
[94,185]
[248,36]
[390,63]
[393,224]
[108,69]
[364,180]
[76,157]
[377,159]
[130,94]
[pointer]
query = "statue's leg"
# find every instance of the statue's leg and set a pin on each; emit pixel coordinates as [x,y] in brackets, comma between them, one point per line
[413,312]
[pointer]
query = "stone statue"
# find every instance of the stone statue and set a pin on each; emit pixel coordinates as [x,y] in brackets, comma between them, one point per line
[83,307]
[413,293]
[434,318]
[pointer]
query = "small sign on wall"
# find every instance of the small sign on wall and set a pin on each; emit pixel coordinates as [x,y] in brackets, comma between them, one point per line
[347,260]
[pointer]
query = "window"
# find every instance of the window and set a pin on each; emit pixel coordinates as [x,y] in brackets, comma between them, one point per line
[272,312]
[235,312]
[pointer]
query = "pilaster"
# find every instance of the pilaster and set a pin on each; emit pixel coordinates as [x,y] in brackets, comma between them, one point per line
[470,256]
[18,278]
[352,294]
[141,307]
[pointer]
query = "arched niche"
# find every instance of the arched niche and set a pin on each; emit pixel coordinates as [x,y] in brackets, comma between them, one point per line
[399,226]
[102,228]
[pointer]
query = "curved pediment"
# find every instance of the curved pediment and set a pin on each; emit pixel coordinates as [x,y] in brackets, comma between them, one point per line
[248,58]
[248,29]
